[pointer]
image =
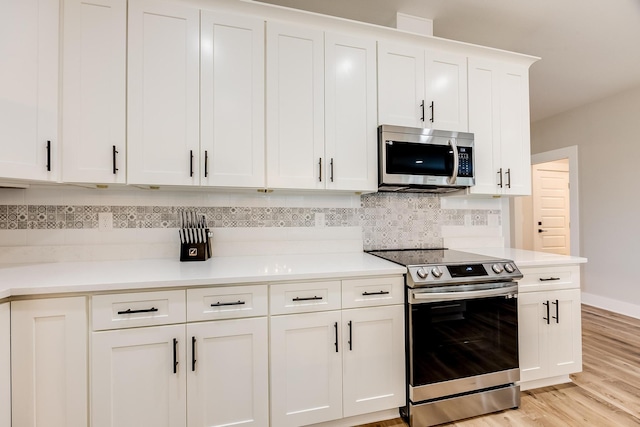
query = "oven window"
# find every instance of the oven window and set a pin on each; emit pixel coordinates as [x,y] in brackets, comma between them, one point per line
[458,339]
[407,158]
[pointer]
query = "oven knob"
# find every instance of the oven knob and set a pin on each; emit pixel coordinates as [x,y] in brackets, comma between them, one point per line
[509,268]
[422,273]
[497,268]
[436,272]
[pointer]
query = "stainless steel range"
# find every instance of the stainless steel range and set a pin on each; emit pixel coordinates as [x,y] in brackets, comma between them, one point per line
[462,334]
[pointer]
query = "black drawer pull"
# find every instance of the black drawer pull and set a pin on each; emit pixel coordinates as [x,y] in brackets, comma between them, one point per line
[220,304]
[146,310]
[549,279]
[364,294]
[314,298]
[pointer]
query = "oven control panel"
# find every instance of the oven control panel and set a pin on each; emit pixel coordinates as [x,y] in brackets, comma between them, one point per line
[431,275]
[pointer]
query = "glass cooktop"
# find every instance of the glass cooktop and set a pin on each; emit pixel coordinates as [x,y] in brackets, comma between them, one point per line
[440,256]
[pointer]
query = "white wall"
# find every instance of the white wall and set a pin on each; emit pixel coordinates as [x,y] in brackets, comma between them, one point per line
[607,133]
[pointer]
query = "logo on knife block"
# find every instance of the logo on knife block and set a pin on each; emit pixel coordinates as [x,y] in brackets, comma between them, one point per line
[193,251]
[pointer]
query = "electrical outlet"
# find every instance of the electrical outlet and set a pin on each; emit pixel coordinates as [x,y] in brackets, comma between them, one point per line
[105,221]
[319,217]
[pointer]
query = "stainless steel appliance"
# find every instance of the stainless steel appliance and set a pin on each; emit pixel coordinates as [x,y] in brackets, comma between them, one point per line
[462,334]
[424,160]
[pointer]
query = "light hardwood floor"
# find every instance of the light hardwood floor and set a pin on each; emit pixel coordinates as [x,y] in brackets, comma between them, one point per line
[606,393]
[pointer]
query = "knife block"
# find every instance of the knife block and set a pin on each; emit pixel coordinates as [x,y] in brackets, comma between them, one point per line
[196,251]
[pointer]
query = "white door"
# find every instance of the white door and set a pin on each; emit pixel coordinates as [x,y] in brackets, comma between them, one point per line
[374,359]
[29,89]
[49,362]
[551,207]
[5,365]
[232,101]
[514,131]
[228,373]
[350,113]
[163,93]
[446,91]
[565,332]
[306,369]
[138,377]
[401,80]
[295,107]
[533,336]
[94,91]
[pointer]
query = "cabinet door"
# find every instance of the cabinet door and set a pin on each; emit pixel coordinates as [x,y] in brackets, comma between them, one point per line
[138,377]
[295,107]
[446,91]
[163,93]
[515,131]
[401,80]
[49,362]
[227,380]
[306,369]
[565,332]
[374,359]
[29,89]
[94,91]
[484,123]
[232,101]
[533,336]
[5,365]
[350,122]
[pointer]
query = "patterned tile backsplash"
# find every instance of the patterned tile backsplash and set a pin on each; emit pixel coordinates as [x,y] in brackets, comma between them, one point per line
[388,220]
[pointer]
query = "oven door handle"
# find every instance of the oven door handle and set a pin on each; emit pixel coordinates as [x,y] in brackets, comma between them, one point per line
[451,296]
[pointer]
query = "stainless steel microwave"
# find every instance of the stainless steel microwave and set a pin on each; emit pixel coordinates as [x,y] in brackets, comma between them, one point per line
[424,160]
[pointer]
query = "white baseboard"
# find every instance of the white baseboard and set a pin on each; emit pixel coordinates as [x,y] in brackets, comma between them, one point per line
[545,382]
[617,306]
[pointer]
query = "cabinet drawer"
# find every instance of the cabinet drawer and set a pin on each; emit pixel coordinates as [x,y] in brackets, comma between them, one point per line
[226,302]
[138,309]
[549,278]
[372,292]
[305,297]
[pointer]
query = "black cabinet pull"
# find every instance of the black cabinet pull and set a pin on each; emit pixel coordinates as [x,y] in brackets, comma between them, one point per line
[191,163]
[320,170]
[314,298]
[508,173]
[220,304]
[193,354]
[433,112]
[547,305]
[548,279]
[364,294]
[422,107]
[114,152]
[145,310]
[331,169]
[350,335]
[48,156]
[175,355]
[557,316]
[206,163]
[500,175]
[335,326]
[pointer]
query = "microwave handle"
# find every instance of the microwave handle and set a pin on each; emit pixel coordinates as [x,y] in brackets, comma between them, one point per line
[454,175]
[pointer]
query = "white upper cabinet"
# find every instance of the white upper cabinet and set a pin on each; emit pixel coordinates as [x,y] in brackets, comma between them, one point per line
[94,91]
[163,93]
[29,89]
[295,107]
[499,120]
[350,113]
[421,88]
[232,101]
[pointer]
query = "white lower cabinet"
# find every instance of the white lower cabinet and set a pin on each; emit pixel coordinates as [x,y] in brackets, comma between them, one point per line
[49,362]
[550,328]
[5,365]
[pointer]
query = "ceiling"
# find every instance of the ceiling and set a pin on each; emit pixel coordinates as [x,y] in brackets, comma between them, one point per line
[590,49]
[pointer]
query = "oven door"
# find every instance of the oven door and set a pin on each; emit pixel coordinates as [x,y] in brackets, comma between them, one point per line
[462,338]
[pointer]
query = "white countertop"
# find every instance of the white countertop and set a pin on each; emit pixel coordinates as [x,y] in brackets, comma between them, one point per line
[63,277]
[524,258]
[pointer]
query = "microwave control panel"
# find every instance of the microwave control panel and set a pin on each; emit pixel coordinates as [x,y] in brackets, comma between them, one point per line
[465,163]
